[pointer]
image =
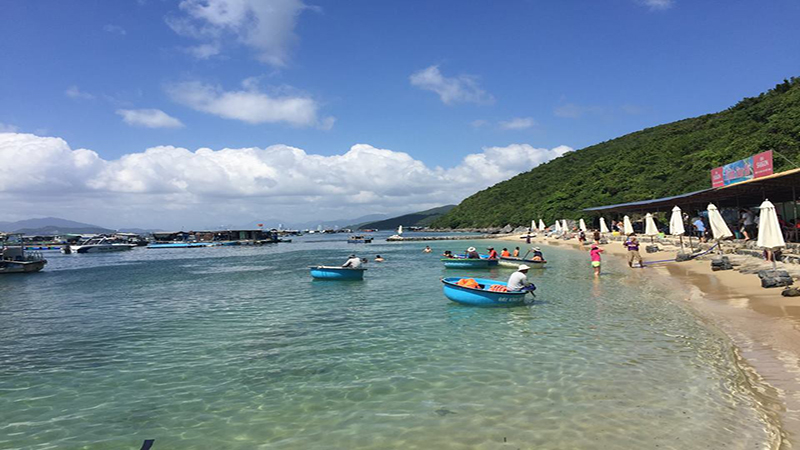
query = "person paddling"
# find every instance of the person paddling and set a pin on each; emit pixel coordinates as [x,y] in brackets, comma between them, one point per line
[519,279]
[492,253]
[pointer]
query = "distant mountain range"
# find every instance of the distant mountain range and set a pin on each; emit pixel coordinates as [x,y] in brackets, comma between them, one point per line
[325,224]
[417,219]
[51,225]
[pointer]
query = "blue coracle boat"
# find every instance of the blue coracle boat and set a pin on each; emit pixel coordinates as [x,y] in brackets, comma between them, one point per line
[464,263]
[337,273]
[481,297]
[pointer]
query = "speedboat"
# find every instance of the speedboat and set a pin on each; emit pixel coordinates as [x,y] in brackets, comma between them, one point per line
[99,244]
[487,293]
[337,273]
[358,239]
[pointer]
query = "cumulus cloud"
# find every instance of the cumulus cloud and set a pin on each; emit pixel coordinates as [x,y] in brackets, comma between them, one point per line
[74,92]
[211,184]
[458,89]
[149,118]
[518,123]
[116,29]
[249,104]
[658,5]
[266,26]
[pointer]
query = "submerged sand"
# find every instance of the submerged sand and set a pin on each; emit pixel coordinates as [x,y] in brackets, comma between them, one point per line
[762,324]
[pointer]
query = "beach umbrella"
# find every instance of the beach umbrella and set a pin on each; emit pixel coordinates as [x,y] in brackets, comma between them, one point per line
[582,224]
[770,235]
[564,226]
[533,225]
[557,228]
[541,225]
[719,228]
[603,227]
[650,228]
[676,227]
[627,228]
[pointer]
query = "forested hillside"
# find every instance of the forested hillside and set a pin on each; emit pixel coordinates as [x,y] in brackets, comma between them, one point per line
[655,162]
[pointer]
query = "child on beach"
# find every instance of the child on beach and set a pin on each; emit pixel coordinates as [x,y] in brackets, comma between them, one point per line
[594,253]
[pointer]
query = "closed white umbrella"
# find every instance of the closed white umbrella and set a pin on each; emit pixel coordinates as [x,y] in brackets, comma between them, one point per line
[541,225]
[557,228]
[533,225]
[719,228]
[603,226]
[582,224]
[676,227]
[564,226]
[650,228]
[770,235]
[627,228]
[400,230]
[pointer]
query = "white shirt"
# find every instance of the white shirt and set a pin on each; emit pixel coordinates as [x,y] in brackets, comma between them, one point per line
[517,281]
[353,263]
[749,218]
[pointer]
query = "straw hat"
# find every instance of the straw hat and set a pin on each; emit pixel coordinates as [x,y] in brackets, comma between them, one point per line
[536,249]
[471,249]
[523,267]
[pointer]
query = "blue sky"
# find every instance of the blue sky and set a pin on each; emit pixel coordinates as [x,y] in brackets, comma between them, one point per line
[435,84]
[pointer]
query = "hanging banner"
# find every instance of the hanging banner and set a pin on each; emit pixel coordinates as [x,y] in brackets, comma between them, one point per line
[756,166]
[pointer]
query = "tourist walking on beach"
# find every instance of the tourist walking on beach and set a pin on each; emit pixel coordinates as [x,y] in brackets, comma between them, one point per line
[632,244]
[748,222]
[596,236]
[594,253]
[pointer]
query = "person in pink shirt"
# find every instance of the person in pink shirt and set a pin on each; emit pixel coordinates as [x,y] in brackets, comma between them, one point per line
[595,255]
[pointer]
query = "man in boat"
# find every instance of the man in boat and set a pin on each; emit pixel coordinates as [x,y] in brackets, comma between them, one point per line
[518,280]
[505,253]
[352,262]
[537,254]
[492,252]
[472,253]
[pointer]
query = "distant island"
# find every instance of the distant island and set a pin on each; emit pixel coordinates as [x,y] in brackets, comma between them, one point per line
[417,219]
[655,162]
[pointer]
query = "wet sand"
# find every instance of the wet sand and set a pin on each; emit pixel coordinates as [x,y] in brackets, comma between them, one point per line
[764,326]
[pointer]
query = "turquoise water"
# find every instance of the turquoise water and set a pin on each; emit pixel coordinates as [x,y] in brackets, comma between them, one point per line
[237,348]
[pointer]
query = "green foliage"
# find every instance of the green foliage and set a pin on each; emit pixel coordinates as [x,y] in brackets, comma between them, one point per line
[655,162]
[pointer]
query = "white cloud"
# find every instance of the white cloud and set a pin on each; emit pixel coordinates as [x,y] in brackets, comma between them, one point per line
[658,5]
[171,186]
[149,118]
[517,123]
[478,123]
[573,111]
[250,104]
[8,128]
[74,92]
[459,89]
[115,29]
[266,26]
[204,51]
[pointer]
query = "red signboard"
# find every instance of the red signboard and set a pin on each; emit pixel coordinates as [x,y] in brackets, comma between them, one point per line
[762,164]
[755,166]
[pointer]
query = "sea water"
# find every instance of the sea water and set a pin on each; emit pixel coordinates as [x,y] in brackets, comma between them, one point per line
[238,348]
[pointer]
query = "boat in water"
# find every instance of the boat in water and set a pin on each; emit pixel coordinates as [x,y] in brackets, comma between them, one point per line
[359,239]
[510,261]
[483,294]
[337,273]
[157,245]
[468,263]
[14,258]
[99,244]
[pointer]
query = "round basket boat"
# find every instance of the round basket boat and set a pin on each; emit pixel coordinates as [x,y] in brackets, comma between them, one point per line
[464,263]
[481,297]
[337,273]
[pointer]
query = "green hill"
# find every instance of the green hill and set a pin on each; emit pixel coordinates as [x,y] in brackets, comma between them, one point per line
[655,162]
[417,219]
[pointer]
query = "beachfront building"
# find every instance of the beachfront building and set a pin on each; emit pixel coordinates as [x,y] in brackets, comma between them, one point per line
[244,236]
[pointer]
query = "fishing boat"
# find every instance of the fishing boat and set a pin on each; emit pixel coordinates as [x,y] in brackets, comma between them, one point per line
[14,259]
[359,239]
[99,244]
[481,296]
[510,261]
[337,273]
[465,263]
[492,262]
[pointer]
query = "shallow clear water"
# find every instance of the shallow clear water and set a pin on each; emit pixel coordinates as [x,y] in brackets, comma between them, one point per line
[236,347]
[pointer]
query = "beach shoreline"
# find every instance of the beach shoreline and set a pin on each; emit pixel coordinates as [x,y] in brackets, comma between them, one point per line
[761,324]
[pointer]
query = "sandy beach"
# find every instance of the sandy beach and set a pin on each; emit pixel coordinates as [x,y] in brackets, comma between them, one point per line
[761,323]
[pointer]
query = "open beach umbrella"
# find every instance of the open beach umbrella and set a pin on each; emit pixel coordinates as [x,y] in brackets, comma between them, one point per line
[541,225]
[603,226]
[582,224]
[676,227]
[719,228]
[627,228]
[770,236]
